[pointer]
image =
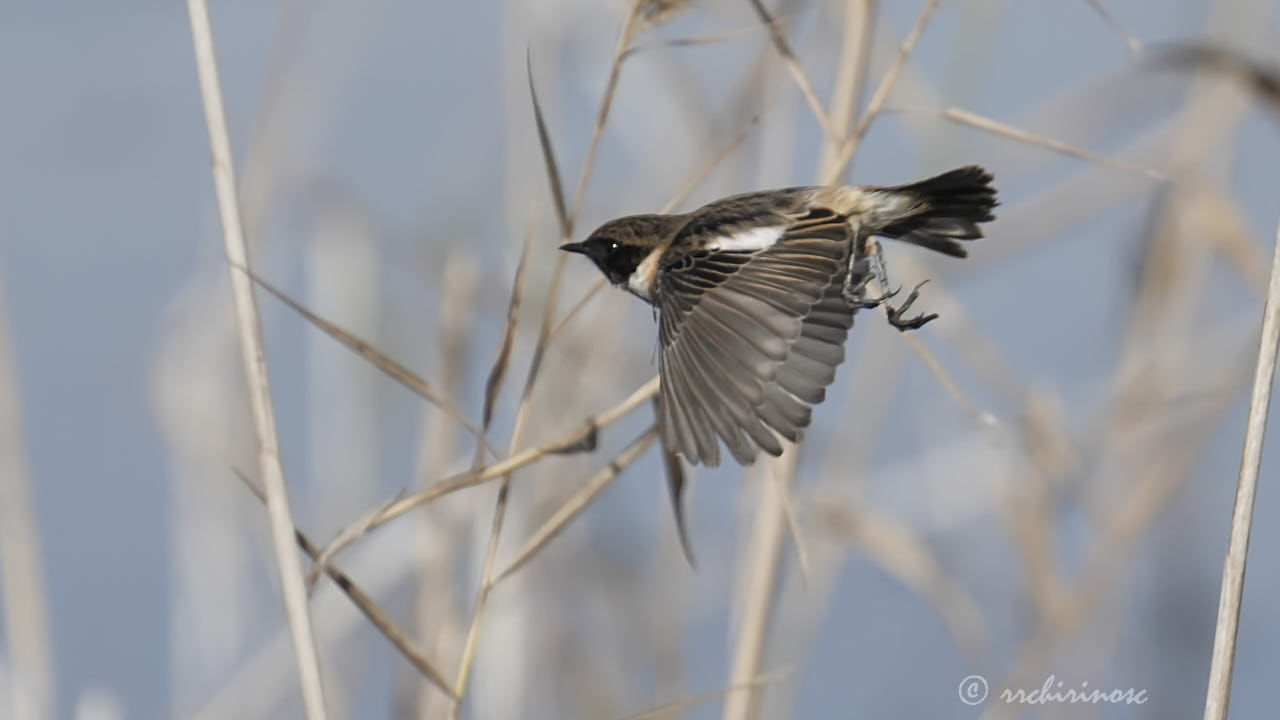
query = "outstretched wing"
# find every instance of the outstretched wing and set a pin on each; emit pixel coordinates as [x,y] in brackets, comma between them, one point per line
[751,332]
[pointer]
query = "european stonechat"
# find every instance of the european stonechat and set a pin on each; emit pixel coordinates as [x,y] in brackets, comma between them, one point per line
[755,295]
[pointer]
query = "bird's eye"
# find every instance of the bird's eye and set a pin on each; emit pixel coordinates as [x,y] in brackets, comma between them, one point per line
[613,247]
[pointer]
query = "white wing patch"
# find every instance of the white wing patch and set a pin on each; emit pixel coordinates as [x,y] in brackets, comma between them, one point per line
[751,240]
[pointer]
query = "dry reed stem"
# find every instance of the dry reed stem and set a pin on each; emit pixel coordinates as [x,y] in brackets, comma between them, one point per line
[577,503]
[849,144]
[1224,635]
[389,367]
[851,73]
[573,440]
[255,366]
[1266,84]
[434,610]
[567,221]
[1222,662]
[1137,510]
[493,387]
[629,27]
[965,117]
[796,69]
[761,563]
[383,622]
[788,507]
[22,586]
[764,557]
[482,599]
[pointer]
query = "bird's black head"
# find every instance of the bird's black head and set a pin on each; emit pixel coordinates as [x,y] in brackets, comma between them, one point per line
[619,246]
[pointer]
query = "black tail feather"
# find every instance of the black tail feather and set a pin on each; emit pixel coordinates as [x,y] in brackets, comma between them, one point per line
[944,209]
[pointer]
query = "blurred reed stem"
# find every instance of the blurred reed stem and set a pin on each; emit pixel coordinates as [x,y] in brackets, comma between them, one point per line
[22,587]
[255,366]
[1224,634]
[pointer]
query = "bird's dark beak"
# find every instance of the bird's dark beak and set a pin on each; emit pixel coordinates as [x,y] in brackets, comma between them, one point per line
[580,248]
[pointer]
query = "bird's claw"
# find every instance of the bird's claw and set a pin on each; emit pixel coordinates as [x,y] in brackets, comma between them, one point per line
[895,314]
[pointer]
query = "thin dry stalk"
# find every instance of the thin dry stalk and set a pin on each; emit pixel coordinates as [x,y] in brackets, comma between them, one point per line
[1224,634]
[1133,44]
[965,117]
[934,365]
[500,507]
[497,373]
[678,199]
[596,286]
[376,615]
[693,181]
[850,144]
[434,610]
[376,357]
[492,388]
[577,503]
[796,69]
[695,40]
[255,365]
[22,587]
[679,707]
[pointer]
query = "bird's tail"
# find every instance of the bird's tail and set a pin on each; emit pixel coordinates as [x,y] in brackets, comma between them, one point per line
[937,212]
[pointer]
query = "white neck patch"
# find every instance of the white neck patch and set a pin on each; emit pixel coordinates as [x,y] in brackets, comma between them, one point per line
[750,240]
[643,277]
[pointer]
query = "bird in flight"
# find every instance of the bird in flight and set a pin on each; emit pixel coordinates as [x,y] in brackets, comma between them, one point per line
[755,295]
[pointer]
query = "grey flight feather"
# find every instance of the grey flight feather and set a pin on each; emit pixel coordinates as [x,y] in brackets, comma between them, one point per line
[745,353]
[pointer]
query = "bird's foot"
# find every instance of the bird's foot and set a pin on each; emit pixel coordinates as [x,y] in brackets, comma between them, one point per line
[895,314]
[861,301]
[854,291]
